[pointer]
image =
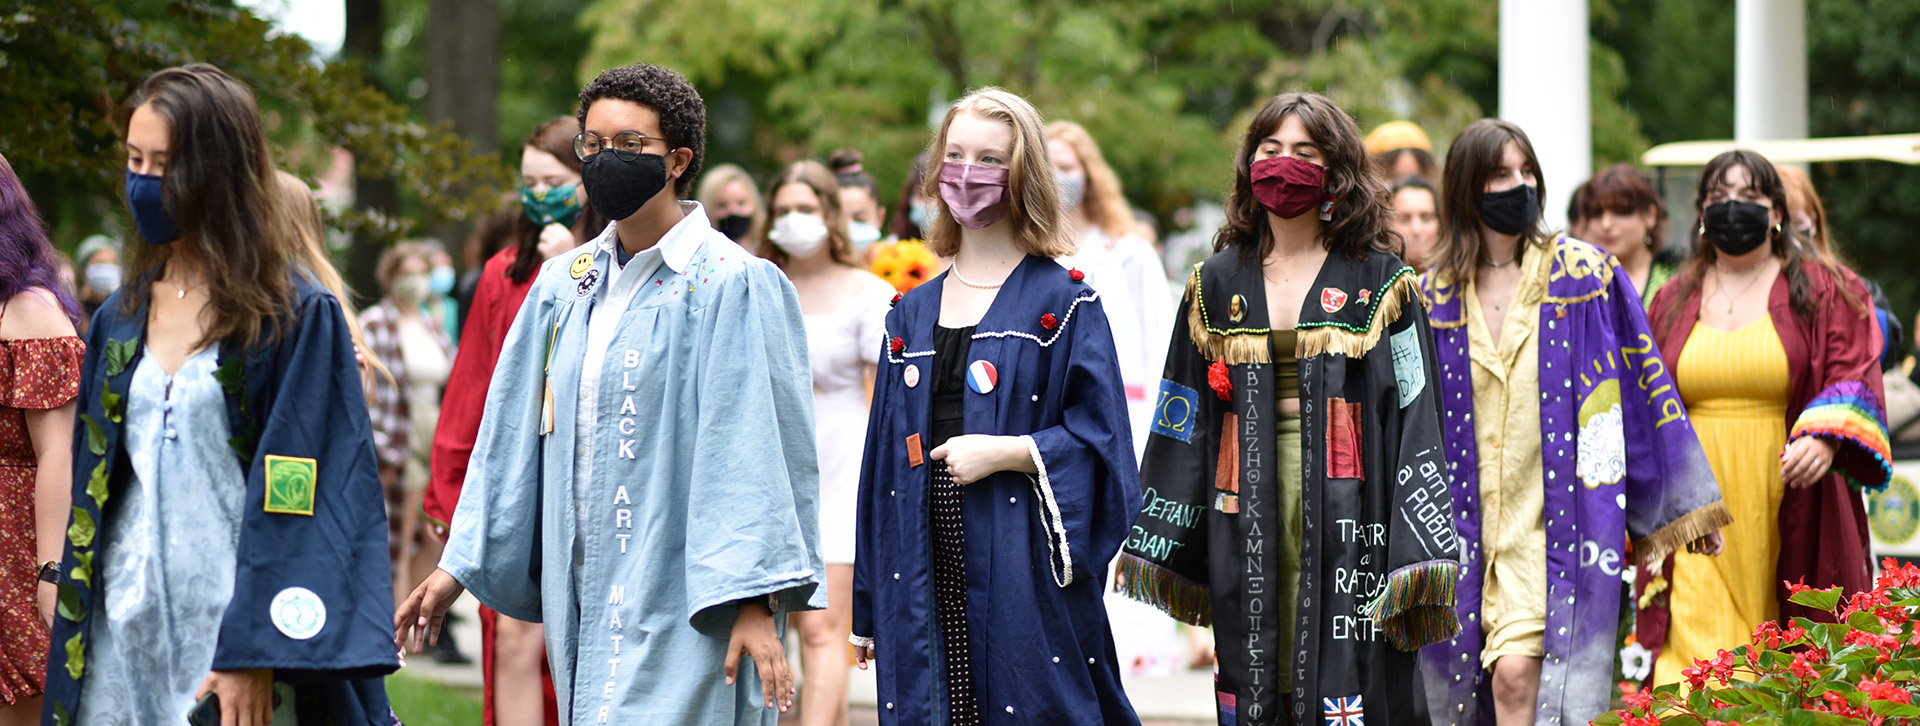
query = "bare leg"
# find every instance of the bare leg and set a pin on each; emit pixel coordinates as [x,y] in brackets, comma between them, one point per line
[824,654]
[517,695]
[24,712]
[1516,685]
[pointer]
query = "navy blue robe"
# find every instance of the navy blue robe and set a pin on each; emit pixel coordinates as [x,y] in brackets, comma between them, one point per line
[1037,546]
[298,398]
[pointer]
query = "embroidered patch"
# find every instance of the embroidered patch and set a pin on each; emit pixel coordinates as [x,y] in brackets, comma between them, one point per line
[1227,710]
[1343,440]
[298,613]
[290,484]
[581,264]
[1332,299]
[1409,368]
[982,377]
[1226,473]
[1365,296]
[586,283]
[911,375]
[914,456]
[1236,309]
[1344,711]
[1603,437]
[1173,414]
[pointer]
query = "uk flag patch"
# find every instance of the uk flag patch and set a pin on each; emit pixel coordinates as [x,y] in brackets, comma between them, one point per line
[1344,711]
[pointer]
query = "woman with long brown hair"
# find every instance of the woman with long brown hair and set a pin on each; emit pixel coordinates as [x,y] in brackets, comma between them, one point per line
[1563,439]
[1775,352]
[845,309]
[1295,414]
[242,556]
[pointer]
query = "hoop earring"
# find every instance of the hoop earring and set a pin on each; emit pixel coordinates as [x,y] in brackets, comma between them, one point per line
[1649,241]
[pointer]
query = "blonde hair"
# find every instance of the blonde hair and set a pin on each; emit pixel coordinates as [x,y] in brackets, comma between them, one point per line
[310,251]
[1033,194]
[1105,203]
[1800,193]
[816,177]
[716,179]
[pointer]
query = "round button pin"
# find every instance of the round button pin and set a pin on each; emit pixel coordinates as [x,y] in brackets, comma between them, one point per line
[911,375]
[581,264]
[982,377]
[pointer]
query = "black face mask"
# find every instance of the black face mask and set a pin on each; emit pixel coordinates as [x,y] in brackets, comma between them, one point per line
[618,187]
[734,226]
[1736,227]
[1507,212]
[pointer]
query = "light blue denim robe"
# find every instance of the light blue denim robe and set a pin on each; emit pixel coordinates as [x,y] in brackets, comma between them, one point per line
[703,483]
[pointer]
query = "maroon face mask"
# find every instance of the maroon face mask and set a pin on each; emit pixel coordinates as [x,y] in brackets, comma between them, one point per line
[976,195]
[1287,186]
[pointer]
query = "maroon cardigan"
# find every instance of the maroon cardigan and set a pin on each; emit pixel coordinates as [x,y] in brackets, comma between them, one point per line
[1823,528]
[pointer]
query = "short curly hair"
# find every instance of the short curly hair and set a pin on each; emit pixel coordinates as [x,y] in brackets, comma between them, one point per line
[683,115]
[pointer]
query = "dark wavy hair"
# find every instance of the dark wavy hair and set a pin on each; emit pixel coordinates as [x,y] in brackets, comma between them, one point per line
[1360,206]
[683,115]
[1794,255]
[1622,189]
[1476,153]
[554,137]
[27,258]
[221,191]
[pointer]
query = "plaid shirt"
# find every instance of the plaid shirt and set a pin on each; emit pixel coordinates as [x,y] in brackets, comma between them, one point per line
[391,431]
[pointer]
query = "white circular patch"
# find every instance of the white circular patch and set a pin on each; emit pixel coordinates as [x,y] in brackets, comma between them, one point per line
[298,613]
[1603,449]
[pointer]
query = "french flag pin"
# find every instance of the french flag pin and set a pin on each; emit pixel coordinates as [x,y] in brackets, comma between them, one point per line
[981,377]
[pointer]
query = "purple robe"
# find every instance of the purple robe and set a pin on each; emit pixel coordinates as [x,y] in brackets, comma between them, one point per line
[1620,459]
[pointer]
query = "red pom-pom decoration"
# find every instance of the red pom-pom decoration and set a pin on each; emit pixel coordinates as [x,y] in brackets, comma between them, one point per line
[1217,379]
[1048,321]
[1076,275]
[898,345]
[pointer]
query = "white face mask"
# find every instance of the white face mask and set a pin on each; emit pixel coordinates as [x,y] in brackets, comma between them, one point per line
[862,235]
[798,235]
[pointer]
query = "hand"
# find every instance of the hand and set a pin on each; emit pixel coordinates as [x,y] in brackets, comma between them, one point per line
[420,617]
[862,655]
[246,697]
[1805,461]
[49,595]
[1710,545]
[555,239]
[754,634]
[973,457]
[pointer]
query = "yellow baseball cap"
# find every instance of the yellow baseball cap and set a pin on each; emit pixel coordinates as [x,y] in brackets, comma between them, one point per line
[1396,135]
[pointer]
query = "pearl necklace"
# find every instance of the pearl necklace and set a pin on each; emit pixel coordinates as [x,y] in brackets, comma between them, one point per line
[969,283]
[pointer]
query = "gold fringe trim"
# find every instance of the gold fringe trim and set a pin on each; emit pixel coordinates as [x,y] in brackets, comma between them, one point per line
[1331,339]
[1653,549]
[1234,349]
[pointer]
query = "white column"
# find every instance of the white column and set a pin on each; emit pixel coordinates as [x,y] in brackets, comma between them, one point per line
[1543,89]
[1770,70]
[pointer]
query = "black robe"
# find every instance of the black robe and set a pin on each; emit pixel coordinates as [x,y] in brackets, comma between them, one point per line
[1379,558]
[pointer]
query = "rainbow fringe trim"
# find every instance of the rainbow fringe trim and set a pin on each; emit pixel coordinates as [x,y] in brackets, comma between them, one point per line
[1187,601]
[1416,607]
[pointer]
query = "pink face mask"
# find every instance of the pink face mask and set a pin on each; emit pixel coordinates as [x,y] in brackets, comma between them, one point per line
[976,195]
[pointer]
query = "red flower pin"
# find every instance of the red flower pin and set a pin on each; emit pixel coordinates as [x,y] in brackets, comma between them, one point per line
[899,345]
[1077,275]
[1217,379]
[1048,321]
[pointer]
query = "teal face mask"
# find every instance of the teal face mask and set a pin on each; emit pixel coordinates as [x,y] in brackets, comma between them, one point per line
[555,205]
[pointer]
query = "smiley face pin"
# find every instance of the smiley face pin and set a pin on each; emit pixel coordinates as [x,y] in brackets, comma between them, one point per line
[581,264]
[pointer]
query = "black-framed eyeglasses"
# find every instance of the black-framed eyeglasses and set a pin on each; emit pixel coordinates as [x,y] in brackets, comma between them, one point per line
[627,145]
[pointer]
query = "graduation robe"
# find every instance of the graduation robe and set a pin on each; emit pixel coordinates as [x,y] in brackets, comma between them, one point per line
[1620,458]
[1378,556]
[299,399]
[1037,546]
[703,483]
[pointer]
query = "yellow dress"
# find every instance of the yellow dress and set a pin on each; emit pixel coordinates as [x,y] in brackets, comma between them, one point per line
[1735,386]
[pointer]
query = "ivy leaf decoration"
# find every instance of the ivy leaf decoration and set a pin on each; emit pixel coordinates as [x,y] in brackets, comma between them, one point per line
[76,656]
[83,573]
[97,485]
[119,354]
[96,436]
[232,376]
[112,403]
[82,531]
[70,603]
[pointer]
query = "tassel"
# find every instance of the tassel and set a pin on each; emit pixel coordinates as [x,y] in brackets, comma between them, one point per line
[1331,339]
[1416,607]
[1187,601]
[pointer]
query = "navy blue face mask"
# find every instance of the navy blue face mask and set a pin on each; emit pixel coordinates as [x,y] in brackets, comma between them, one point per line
[149,212]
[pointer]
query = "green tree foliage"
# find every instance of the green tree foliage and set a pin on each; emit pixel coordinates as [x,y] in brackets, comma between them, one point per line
[66,67]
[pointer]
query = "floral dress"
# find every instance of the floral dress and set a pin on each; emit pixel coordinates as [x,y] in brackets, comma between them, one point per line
[36,374]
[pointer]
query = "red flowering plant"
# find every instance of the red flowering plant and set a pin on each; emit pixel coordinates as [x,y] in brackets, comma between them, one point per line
[1863,668]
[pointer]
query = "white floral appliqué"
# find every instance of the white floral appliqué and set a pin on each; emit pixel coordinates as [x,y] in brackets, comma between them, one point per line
[1603,449]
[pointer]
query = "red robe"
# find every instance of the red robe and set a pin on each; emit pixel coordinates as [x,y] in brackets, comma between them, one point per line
[495,302]
[1834,360]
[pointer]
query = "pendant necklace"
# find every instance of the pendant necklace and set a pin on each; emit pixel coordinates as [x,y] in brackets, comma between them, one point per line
[1720,272]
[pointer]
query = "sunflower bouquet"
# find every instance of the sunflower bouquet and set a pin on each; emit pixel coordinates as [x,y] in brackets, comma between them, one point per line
[905,264]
